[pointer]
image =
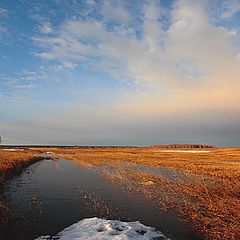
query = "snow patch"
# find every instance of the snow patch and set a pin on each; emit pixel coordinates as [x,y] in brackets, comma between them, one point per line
[13,150]
[102,229]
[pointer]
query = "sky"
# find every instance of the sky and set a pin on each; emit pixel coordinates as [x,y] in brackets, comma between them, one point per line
[102,72]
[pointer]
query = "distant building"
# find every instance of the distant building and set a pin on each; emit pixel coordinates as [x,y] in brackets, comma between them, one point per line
[0,139]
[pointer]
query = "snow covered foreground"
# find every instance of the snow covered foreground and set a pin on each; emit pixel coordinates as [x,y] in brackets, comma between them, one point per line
[101,229]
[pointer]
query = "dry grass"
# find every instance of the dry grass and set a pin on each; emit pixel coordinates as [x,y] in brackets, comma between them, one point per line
[208,195]
[12,162]
[223,162]
[96,205]
[212,207]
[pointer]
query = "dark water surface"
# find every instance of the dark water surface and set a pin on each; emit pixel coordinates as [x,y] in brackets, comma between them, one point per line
[48,197]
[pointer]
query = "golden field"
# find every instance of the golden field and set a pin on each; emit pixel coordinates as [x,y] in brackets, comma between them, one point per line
[206,192]
[12,162]
[203,186]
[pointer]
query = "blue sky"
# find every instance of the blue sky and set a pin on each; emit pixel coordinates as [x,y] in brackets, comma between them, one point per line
[119,72]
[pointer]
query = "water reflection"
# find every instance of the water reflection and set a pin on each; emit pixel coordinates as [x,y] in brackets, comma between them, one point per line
[51,195]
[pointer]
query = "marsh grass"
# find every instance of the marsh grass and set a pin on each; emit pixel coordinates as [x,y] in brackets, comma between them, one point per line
[5,212]
[96,205]
[212,208]
[12,162]
[208,196]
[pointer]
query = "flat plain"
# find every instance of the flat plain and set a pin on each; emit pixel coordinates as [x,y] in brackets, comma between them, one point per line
[202,185]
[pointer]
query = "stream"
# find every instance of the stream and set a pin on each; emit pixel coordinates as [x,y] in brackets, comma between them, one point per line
[49,196]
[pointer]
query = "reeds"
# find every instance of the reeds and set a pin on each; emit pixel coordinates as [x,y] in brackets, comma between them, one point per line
[12,162]
[96,205]
[208,196]
[5,211]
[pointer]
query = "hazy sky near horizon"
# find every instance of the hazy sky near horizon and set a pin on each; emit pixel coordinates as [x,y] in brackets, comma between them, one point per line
[102,72]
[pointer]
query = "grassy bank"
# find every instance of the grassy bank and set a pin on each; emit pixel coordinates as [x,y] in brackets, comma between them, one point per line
[205,189]
[12,161]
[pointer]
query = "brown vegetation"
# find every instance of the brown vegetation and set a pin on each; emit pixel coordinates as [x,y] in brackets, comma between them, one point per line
[12,162]
[95,204]
[207,194]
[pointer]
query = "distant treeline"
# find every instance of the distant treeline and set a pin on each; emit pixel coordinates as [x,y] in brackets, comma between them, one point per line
[183,146]
[109,147]
[64,147]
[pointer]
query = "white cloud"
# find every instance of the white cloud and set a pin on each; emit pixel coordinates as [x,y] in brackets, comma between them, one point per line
[3,11]
[46,28]
[34,76]
[192,38]
[238,56]
[90,2]
[171,61]
[69,65]
[24,86]
[230,8]
[192,44]
[153,11]
[3,28]
[115,12]
[22,83]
